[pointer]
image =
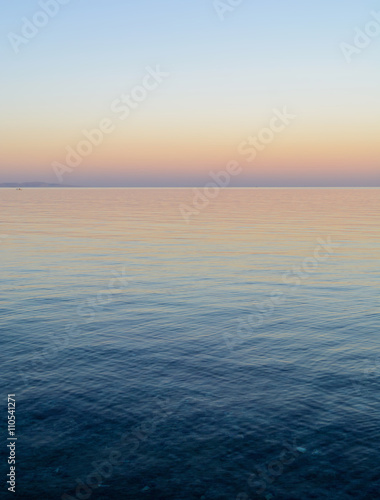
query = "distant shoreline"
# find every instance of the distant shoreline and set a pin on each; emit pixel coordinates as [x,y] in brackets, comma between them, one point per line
[31,185]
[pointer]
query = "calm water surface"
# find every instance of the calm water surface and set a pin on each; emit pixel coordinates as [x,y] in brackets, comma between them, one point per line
[233,357]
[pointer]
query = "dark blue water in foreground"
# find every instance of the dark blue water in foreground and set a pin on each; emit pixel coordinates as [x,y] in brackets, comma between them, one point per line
[233,357]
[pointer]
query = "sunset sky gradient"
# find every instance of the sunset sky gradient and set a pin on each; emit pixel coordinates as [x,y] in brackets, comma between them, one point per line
[225,79]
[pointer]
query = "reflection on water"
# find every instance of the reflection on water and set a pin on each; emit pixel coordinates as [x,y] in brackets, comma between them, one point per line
[220,359]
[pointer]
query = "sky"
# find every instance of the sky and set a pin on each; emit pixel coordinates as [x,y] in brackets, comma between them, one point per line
[171,90]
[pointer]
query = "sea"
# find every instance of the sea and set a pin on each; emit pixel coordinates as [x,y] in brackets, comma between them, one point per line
[166,344]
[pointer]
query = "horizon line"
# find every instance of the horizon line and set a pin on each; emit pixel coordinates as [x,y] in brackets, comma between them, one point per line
[186,187]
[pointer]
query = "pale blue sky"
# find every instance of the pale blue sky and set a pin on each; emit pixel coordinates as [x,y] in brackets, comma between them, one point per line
[264,54]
